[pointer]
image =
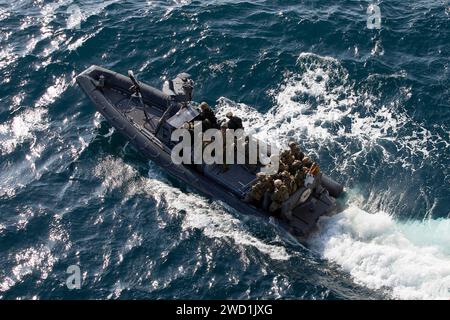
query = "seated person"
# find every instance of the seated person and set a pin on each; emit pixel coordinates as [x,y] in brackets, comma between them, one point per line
[307,162]
[286,161]
[234,123]
[289,181]
[280,194]
[263,184]
[207,114]
[295,151]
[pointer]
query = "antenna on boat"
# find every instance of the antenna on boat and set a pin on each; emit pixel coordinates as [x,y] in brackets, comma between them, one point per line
[136,89]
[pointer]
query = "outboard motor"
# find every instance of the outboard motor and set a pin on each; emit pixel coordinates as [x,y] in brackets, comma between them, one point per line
[180,88]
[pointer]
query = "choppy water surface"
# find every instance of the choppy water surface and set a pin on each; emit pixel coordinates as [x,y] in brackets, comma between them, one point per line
[372,105]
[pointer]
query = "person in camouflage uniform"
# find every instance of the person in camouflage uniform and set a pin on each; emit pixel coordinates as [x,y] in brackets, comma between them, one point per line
[287,158]
[280,195]
[298,173]
[296,166]
[299,178]
[269,186]
[307,162]
[286,161]
[263,184]
[295,151]
[289,182]
[282,167]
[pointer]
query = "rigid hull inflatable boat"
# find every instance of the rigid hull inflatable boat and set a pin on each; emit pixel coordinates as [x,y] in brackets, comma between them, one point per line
[147,117]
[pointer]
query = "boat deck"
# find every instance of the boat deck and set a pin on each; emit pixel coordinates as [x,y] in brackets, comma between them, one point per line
[134,111]
[237,178]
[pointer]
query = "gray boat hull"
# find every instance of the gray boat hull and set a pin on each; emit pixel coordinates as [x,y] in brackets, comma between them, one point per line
[301,221]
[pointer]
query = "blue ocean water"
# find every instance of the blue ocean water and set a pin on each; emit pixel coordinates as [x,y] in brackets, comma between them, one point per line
[372,105]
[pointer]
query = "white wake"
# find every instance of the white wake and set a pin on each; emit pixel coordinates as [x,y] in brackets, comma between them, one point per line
[411,260]
[196,211]
[320,107]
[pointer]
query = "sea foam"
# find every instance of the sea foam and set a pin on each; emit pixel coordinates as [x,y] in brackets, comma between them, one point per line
[319,106]
[410,260]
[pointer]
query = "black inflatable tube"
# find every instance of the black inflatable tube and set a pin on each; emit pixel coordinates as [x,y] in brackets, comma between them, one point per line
[334,188]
